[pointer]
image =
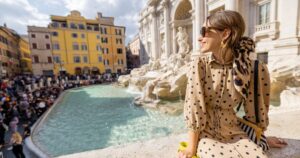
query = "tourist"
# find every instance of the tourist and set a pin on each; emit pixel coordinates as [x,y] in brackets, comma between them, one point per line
[217,84]
[3,129]
[16,142]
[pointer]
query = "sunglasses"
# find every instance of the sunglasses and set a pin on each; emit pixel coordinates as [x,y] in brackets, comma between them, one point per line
[204,30]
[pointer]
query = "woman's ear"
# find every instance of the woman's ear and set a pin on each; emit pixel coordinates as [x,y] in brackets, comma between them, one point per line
[226,34]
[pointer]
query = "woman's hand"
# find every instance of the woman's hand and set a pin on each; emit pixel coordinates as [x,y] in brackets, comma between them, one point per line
[187,153]
[275,142]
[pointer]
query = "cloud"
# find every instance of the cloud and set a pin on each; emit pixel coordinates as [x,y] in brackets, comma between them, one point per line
[19,13]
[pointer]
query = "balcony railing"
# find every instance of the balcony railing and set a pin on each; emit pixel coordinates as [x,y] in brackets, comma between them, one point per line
[267,30]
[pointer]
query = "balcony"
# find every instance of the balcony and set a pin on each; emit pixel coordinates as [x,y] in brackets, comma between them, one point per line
[268,30]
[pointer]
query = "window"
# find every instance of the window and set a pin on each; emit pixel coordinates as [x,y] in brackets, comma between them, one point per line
[98,36]
[49,60]
[47,46]
[105,51]
[55,46]
[89,27]
[118,32]
[119,71]
[8,54]
[263,57]
[54,33]
[264,13]
[96,28]
[32,35]
[54,24]
[74,35]
[34,45]
[35,59]
[108,71]
[76,59]
[122,61]
[98,48]
[120,50]
[100,58]
[103,30]
[106,62]
[82,35]
[84,47]
[64,25]
[47,36]
[56,59]
[85,59]
[104,40]
[81,26]
[75,46]
[119,41]
[73,26]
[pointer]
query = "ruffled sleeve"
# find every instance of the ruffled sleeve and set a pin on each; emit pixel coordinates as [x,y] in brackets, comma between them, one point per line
[194,107]
[263,97]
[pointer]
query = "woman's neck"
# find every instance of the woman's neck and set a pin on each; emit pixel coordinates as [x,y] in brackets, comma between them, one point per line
[223,57]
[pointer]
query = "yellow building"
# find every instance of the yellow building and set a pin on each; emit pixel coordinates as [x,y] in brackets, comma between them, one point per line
[25,58]
[9,52]
[87,46]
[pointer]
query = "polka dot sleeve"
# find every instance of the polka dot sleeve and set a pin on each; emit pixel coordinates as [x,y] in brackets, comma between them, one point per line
[194,107]
[263,98]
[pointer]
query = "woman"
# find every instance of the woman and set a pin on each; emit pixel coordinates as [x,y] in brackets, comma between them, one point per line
[217,83]
[16,141]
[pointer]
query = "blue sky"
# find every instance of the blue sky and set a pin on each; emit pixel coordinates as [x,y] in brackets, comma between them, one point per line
[17,14]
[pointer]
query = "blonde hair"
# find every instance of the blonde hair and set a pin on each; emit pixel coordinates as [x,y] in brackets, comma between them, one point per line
[231,20]
[17,137]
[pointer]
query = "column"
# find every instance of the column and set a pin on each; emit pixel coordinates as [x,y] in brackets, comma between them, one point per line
[167,28]
[231,5]
[273,13]
[174,39]
[154,39]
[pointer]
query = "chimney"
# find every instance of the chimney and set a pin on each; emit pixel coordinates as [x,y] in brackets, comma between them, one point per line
[4,25]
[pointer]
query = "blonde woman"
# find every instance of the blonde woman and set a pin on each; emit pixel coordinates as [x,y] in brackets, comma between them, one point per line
[16,142]
[217,83]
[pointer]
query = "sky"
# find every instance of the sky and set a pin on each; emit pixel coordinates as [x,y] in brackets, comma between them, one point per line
[17,14]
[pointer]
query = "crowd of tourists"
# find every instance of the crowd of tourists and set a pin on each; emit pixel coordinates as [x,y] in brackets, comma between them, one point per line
[24,98]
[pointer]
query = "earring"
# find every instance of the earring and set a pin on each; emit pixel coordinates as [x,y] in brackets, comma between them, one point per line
[222,44]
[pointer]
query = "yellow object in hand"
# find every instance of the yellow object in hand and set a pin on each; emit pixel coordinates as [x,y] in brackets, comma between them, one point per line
[183,146]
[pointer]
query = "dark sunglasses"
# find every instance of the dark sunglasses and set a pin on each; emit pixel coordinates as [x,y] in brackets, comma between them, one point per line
[204,30]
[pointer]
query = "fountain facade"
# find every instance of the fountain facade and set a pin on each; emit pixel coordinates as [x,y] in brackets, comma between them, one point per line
[169,30]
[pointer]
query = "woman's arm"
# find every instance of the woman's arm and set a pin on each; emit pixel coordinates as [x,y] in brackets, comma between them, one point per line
[193,139]
[192,145]
[194,107]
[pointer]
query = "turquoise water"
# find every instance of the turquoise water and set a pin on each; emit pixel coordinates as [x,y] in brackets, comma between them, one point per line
[101,116]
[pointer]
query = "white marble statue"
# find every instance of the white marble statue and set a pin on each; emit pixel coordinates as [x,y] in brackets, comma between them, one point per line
[163,50]
[182,41]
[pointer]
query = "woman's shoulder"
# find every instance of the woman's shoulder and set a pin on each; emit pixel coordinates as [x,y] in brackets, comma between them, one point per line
[200,60]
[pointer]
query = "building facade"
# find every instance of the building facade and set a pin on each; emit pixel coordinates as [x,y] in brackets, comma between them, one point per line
[134,50]
[25,55]
[9,52]
[275,30]
[87,46]
[40,47]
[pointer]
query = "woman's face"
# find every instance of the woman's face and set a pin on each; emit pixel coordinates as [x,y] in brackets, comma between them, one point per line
[211,39]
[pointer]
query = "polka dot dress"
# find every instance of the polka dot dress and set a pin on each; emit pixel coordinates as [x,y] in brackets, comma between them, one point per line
[209,109]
